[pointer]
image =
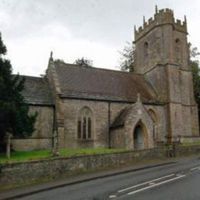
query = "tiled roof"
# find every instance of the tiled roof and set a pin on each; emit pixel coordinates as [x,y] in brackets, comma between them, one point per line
[120,119]
[102,84]
[36,91]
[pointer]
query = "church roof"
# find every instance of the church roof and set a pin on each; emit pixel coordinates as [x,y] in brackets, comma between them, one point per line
[102,84]
[36,91]
[120,119]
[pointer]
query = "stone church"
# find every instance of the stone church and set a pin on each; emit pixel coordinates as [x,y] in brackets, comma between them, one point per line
[81,107]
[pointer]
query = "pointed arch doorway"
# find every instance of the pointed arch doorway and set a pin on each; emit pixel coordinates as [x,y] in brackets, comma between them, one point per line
[139,140]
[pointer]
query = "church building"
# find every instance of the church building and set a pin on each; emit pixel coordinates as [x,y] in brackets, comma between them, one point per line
[87,107]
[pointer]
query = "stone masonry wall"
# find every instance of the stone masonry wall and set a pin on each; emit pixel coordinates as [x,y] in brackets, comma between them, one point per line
[160,125]
[100,123]
[115,109]
[35,171]
[42,136]
[100,120]
[118,138]
[16,174]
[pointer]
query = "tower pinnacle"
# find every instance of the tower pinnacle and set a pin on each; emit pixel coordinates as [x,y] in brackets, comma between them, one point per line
[51,56]
[156,9]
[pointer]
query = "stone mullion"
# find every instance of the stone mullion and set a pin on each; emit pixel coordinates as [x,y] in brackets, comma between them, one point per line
[82,126]
[87,127]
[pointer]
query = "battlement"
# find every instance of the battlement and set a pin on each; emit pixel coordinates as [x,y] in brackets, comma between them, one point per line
[161,17]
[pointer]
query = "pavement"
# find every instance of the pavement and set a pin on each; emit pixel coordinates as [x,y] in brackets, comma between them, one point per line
[29,190]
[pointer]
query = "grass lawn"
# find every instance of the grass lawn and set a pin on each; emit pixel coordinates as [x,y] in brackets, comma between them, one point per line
[190,143]
[36,155]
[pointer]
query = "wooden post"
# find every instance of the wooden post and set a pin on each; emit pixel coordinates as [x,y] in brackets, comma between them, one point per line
[8,144]
[55,144]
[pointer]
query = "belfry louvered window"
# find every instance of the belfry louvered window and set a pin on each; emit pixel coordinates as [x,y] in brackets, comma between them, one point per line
[146,49]
[84,124]
[178,51]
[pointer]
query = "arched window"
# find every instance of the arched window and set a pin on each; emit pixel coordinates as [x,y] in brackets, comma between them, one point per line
[178,51]
[155,123]
[153,115]
[84,124]
[146,49]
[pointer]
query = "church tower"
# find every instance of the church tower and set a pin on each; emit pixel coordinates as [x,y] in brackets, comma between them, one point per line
[162,56]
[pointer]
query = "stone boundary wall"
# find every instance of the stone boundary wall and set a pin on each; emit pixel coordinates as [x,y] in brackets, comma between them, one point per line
[30,144]
[23,173]
[187,150]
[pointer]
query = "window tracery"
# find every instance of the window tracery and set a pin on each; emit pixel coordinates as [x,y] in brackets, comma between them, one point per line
[84,125]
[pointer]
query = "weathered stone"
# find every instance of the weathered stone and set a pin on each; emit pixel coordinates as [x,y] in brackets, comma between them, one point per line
[153,105]
[16,174]
[42,136]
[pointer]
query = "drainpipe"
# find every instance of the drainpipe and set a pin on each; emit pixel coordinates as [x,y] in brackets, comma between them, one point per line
[55,132]
[53,129]
[109,135]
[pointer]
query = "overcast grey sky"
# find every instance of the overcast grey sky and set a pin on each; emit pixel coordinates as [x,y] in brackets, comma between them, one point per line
[95,29]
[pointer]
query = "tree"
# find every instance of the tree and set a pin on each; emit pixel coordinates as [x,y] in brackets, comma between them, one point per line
[196,79]
[127,57]
[84,62]
[14,117]
[193,52]
[194,63]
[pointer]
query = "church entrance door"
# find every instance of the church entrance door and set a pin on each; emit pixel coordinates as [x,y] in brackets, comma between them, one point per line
[138,137]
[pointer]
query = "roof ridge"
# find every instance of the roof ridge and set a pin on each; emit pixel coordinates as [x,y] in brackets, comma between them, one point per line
[88,91]
[29,76]
[97,68]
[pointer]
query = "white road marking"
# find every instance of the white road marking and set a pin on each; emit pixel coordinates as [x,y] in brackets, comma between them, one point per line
[112,196]
[157,179]
[195,168]
[156,184]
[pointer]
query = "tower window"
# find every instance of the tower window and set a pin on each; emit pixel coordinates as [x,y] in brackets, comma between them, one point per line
[146,46]
[177,41]
[178,50]
[146,49]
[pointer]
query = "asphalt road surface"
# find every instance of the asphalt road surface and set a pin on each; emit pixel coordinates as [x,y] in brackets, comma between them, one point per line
[177,181]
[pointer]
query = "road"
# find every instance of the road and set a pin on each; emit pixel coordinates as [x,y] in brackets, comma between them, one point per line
[177,181]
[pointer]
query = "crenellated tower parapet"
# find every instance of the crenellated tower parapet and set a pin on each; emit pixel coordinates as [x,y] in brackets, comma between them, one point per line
[162,56]
[161,17]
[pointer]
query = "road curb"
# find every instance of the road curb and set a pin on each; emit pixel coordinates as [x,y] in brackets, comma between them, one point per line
[23,194]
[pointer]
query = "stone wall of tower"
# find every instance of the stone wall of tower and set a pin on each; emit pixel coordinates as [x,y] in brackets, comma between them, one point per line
[152,49]
[154,41]
[162,55]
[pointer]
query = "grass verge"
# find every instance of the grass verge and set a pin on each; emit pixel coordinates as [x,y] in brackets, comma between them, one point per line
[20,156]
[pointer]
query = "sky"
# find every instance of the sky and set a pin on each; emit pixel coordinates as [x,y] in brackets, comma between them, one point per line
[93,29]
